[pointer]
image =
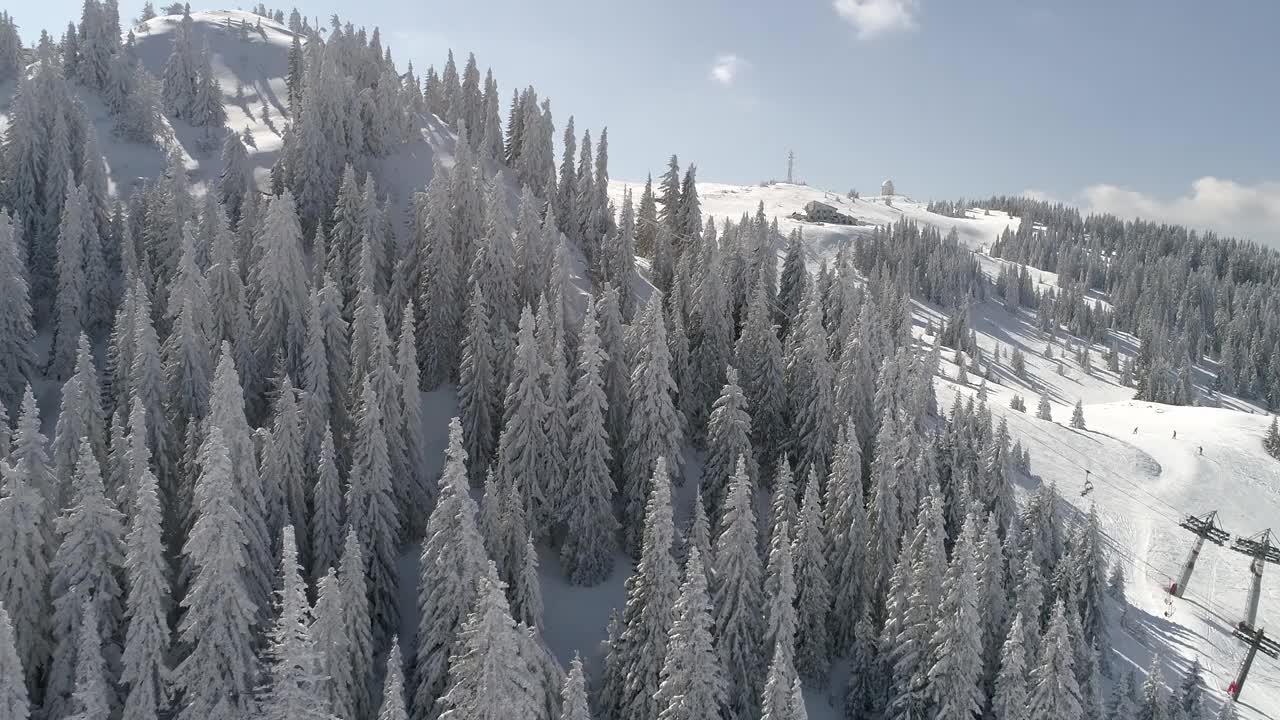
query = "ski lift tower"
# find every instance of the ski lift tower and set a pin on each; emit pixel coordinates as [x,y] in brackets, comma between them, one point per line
[1205,527]
[1262,548]
[1257,640]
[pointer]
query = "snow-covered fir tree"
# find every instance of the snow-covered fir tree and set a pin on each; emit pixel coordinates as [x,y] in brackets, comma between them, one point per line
[1077,416]
[148,641]
[15,703]
[737,596]
[813,596]
[293,682]
[1054,690]
[692,683]
[372,512]
[591,528]
[393,700]
[16,330]
[728,440]
[479,397]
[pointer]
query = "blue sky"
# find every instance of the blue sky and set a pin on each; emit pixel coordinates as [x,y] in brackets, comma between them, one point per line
[1164,108]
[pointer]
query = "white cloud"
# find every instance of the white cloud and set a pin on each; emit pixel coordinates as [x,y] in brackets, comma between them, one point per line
[1225,206]
[726,68]
[877,17]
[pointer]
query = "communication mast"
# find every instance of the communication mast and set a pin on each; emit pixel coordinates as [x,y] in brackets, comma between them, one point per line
[791,162]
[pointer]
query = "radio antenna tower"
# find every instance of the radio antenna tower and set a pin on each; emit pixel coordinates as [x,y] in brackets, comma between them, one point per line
[791,162]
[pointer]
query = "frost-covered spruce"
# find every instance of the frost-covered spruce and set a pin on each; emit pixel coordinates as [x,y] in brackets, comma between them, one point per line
[1010,699]
[654,430]
[282,467]
[338,354]
[955,673]
[16,331]
[780,592]
[555,420]
[229,308]
[147,383]
[235,177]
[441,292]
[226,412]
[527,590]
[93,696]
[728,441]
[488,678]
[326,510]
[692,682]
[14,701]
[70,311]
[1077,416]
[372,512]
[145,663]
[418,493]
[86,564]
[616,374]
[317,396]
[1054,692]
[478,395]
[713,332]
[813,599]
[79,417]
[573,697]
[217,679]
[591,527]
[844,524]
[737,596]
[25,541]
[522,445]
[279,282]
[452,563]
[810,386]
[293,687]
[647,616]
[759,360]
[779,700]
[393,703]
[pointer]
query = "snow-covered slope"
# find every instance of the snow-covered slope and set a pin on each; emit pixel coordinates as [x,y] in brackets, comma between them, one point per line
[780,200]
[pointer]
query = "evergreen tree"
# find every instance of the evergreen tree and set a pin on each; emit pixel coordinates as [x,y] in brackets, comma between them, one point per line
[283,472]
[372,512]
[810,385]
[280,287]
[845,528]
[25,544]
[148,641]
[573,698]
[692,682]
[1044,411]
[180,73]
[792,283]
[616,375]
[780,592]
[1077,416]
[813,598]
[93,693]
[1153,704]
[728,440]
[654,426]
[478,399]
[527,591]
[522,445]
[1055,692]
[1191,692]
[216,680]
[452,564]
[591,528]
[85,568]
[16,330]
[14,701]
[487,677]
[293,687]
[393,704]
[326,514]
[1010,699]
[780,699]
[955,675]
[759,357]
[70,307]
[650,607]
[737,596]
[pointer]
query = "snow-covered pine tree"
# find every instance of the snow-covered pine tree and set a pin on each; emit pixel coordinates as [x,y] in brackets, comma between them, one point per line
[478,394]
[728,441]
[527,591]
[441,290]
[813,597]
[85,566]
[1044,411]
[229,309]
[14,700]
[372,512]
[781,698]
[736,591]
[235,177]
[810,381]
[94,696]
[713,332]
[279,283]
[326,510]
[218,677]
[187,366]
[955,672]
[522,445]
[419,491]
[26,541]
[692,683]
[654,430]
[148,641]
[452,563]
[1077,416]
[844,525]
[293,683]
[283,472]
[781,621]
[1153,703]
[226,412]
[180,72]
[573,697]
[591,528]
[393,701]
[488,677]
[16,330]
[1009,702]
[206,108]
[1054,691]
[555,420]
[650,606]
[70,310]
[616,375]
